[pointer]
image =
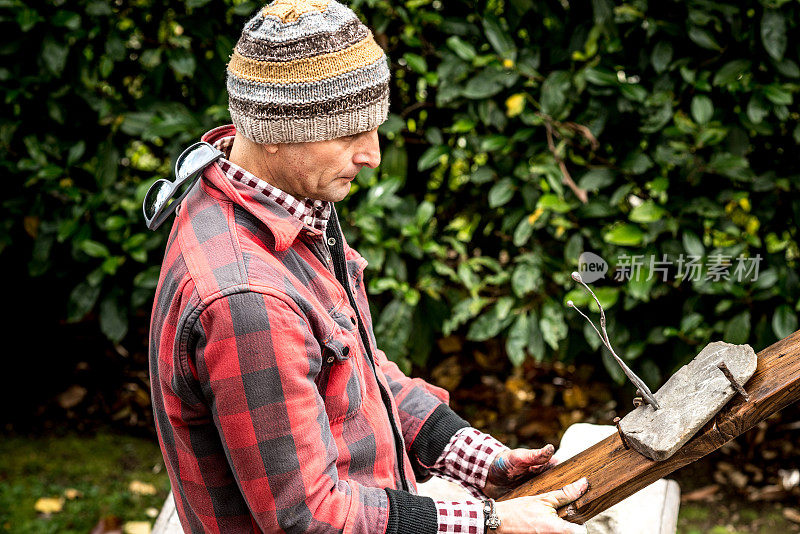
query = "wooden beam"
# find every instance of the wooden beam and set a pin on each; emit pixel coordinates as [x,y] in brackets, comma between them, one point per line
[615,472]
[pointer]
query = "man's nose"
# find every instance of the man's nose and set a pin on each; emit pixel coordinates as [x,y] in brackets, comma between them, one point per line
[369,150]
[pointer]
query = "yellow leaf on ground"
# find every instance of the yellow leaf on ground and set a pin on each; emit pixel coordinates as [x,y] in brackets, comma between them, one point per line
[49,505]
[72,493]
[142,488]
[136,527]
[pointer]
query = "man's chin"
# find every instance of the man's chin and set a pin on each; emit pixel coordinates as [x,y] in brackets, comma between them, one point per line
[340,193]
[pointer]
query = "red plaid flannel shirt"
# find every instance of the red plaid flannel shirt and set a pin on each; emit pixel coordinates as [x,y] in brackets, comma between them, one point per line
[269,414]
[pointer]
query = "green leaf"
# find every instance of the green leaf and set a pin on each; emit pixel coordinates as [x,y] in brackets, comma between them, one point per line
[661,56]
[554,92]
[773,33]
[517,340]
[462,49]
[550,202]
[535,338]
[68,19]
[552,324]
[784,321]
[731,71]
[395,161]
[113,319]
[501,192]
[729,165]
[182,62]
[500,40]
[702,109]
[416,62]
[692,244]
[525,279]
[393,329]
[484,85]
[487,325]
[777,94]
[596,179]
[703,38]
[647,212]
[94,249]
[624,234]
[55,56]
[431,157]
[737,331]
[757,109]
[601,77]
[81,301]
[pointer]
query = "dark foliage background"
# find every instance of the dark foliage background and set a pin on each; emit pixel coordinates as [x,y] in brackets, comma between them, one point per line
[522,133]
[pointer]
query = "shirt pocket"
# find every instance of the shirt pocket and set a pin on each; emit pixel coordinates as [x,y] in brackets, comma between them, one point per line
[340,380]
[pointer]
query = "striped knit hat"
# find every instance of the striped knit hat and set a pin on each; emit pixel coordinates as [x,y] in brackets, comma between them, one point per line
[306,70]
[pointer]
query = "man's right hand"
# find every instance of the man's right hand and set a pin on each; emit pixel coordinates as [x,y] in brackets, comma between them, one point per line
[537,514]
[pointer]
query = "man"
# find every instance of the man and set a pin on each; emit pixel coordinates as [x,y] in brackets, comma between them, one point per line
[275,409]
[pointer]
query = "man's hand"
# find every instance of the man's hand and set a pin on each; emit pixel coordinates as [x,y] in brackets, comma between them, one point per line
[512,467]
[537,514]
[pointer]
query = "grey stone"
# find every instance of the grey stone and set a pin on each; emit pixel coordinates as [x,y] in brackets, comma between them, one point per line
[688,400]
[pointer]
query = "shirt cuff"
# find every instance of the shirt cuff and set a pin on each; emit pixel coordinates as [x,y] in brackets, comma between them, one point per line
[463,516]
[466,459]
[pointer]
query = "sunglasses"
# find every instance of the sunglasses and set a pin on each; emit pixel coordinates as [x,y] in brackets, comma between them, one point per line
[160,200]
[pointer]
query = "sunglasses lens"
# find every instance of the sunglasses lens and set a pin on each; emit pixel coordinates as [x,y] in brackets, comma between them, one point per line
[195,160]
[156,198]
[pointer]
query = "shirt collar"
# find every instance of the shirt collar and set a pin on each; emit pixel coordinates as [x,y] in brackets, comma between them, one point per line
[284,225]
[311,212]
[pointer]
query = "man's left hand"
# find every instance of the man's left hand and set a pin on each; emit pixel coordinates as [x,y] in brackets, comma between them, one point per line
[512,467]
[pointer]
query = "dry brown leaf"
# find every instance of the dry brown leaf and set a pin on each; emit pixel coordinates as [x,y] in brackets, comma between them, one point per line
[772,492]
[706,493]
[738,479]
[449,344]
[448,374]
[49,505]
[792,515]
[109,524]
[71,397]
[142,488]
[575,397]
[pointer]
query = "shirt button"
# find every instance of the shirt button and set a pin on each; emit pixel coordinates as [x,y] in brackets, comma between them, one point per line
[308,220]
[330,359]
[331,241]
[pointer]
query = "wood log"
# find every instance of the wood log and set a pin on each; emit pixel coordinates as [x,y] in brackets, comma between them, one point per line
[615,472]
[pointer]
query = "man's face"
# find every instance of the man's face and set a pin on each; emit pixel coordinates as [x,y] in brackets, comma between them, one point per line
[323,170]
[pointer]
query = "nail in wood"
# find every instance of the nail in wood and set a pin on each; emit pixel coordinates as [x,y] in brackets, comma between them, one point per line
[621,435]
[736,385]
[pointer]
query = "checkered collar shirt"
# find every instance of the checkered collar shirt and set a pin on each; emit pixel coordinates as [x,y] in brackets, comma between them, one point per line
[311,212]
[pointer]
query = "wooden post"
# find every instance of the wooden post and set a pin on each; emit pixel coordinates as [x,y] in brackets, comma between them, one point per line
[615,472]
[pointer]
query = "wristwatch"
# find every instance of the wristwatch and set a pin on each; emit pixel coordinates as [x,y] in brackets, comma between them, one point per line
[491,521]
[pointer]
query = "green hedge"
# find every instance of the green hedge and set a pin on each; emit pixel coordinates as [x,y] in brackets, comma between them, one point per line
[673,122]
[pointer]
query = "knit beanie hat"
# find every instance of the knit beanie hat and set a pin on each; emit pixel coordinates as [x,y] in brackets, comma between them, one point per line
[306,70]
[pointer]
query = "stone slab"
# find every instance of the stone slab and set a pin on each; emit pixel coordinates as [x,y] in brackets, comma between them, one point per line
[688,400]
